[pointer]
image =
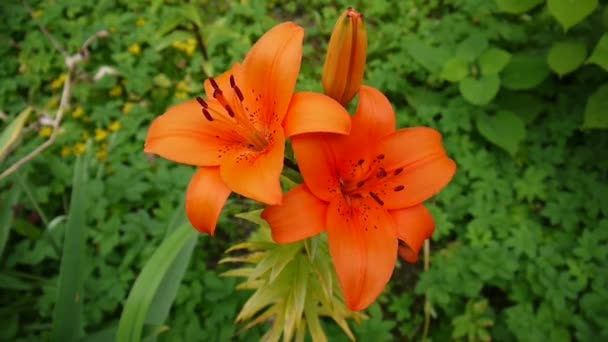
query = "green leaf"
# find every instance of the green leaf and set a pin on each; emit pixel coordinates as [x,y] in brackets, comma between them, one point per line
[570,12]
[472,47]
[524,72]
[67,322]
[493,60]
[600,53]
[596,111]
[455,69]
[143,292]
[525,105]
[517,6]
[565,57]
[505,130]
[432,58]
[480,91]
[6,214]
[11,133]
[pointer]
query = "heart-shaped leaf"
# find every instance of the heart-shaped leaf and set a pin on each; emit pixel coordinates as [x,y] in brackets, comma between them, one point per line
[493,60]
[596,111]
[455,69]
[505,130]
[524,72]
[570,12]
[565,57]
[517,6]
[480,91]
[600,53]
[472,47]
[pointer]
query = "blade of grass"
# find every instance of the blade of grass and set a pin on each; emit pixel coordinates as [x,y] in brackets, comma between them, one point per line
[67,322]
[6,215]
[147,284]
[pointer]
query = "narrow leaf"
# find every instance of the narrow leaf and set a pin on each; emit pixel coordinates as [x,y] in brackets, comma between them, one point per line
[6,214]
[11,133]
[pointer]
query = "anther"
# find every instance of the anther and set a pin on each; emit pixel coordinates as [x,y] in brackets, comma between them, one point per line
[399,188]
[376,198]
[207,114]
[202,102]
[214,84]
[229,110]
[232,84]
[398,171]
[380,156]
[238,92]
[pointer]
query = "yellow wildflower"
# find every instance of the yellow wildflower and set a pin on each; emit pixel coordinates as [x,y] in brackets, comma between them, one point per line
[80,149]
[45,131]
[114,126]
[37,14]
[78,112]
[183,86]
[116,91]
[127,107]
[100,134]
[59,81]
[180,95]
[135,49]
[66,151]
[102,155]
[140,22]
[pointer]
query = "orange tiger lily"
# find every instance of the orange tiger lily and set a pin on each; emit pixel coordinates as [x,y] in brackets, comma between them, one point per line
[366,190]
[237,134]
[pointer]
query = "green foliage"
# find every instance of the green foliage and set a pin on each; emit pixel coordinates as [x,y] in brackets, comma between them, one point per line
[524,231]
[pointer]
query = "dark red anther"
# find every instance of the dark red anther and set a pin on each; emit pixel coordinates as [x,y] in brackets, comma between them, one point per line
[217,93]
[202,102]
[380,156]
[398,171]
[239,94]
[207,114]
[398,188]
[229,110]
[376,198]
[214,84]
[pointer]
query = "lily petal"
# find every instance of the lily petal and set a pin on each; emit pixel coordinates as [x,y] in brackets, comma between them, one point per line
[256,174]
[317,163]
[273,64]
[416,183]
[313,112]
[300,216]
[205,198]
[375,117]
[363,246]
[414,225]
[183,135]
[409,145]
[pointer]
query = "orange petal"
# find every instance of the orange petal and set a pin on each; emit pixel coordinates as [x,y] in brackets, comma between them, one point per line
[414,225]
[205,199]
[183,135]
[409,145]
[273,64]
[300,216]
[363,246]
[416,183]
[375,117]
[313,112]
[317,163]
[255,174]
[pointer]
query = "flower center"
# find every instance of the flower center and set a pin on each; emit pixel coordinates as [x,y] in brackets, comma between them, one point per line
[234,118]
[369,178]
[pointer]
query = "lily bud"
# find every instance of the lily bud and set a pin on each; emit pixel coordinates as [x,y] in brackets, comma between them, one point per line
[346,54]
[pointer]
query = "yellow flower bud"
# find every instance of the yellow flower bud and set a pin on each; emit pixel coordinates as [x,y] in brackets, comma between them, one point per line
[116,91]
[78,112]
[80,148]
[135,49]
[100,134]
[45,131]
[346,55]
[114,126]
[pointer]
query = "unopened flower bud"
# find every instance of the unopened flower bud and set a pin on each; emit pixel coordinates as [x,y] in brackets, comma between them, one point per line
[346,54]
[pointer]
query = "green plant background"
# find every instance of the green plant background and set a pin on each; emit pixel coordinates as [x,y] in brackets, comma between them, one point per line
[519,90]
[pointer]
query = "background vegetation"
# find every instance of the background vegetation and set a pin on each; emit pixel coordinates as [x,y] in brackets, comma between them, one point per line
[518,88]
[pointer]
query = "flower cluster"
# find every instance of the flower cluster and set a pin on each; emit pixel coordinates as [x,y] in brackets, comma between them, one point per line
[364,180]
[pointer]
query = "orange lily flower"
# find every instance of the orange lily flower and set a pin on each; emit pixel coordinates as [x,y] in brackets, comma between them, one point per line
[237,134]
[366,190]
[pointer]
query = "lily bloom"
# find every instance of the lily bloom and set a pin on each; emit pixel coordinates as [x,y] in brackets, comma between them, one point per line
[366,190]
[236,135]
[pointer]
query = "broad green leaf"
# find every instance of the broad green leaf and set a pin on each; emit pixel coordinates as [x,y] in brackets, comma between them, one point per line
[596,111]
[570,12]
[11,133]
[517,6]
[524,72]
[6,214]
[493,60]
[162,81]
[600,53]
[143,292]
[432,58]
[565,57]
[472,47]
[480,91]
[455,69]
[525,105]
[67,321]
[505,130]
